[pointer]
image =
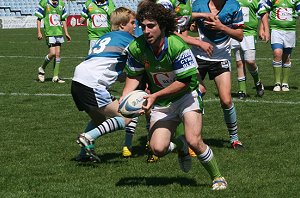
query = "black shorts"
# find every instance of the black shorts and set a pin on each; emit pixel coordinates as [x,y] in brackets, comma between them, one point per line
[213,68]
[88,99]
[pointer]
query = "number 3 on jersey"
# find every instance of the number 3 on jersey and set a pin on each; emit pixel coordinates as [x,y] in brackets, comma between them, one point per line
[100,45]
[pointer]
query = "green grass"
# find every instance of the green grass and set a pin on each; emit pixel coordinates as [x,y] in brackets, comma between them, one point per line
[38,134]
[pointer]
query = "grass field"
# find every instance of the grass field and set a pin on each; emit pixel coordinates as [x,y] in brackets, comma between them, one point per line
[40,123]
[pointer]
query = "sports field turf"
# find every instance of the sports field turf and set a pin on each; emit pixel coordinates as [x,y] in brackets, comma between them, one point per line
[40,123]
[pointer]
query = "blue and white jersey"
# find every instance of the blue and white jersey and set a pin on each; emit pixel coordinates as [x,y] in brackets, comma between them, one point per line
[106,61]
[230,15]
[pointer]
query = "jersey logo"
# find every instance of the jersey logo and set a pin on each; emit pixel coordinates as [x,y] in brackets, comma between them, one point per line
[284,14]
[99,20]
[163,80]
[54,19]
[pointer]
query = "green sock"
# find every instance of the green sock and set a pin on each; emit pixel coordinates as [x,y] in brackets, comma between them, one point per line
[242,84]
[255,76]
[285,74]
[46,61]
[209,162]
[277,68]
[56,66]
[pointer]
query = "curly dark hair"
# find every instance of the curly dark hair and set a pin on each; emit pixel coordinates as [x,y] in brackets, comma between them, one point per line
[153,11]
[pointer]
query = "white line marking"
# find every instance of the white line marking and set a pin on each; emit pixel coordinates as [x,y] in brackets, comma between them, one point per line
[39,57]
[254,101]
[205,100]
[38,94]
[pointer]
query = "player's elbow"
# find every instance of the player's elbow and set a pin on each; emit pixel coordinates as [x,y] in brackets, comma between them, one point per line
[239,37]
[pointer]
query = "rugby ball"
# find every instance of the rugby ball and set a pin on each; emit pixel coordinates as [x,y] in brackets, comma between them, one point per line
[132,103]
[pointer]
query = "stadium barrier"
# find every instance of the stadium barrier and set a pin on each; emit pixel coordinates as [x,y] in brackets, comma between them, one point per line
[14,22]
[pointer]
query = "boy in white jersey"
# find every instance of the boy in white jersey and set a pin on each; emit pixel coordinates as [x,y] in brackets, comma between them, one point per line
[171,69]
[95,75]
[54,14]
[281,15]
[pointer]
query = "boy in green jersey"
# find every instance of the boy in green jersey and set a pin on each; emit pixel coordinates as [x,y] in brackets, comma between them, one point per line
[54,14]
[97,13]
[281,15]
[246,49]
[172,72]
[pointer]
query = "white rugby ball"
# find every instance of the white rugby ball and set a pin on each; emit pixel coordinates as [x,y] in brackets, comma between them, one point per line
[132,103]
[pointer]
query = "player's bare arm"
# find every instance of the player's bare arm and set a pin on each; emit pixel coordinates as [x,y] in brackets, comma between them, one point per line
[215,24]
[175,87]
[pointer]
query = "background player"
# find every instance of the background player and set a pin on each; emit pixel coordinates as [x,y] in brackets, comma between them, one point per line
[245,50]
[54,14]
[282,15]
[218,21]
[97,13]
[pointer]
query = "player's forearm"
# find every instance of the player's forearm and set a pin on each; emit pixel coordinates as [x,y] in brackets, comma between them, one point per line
[174,88]
[38,25]
[236,34]
[188,39]
[203,15]
[265,22]
[131,84]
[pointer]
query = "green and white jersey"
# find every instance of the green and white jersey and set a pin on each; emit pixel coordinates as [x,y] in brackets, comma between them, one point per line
[183,10]
[283,13]
[250,9]
[98,17]
[52,16]
[175,62]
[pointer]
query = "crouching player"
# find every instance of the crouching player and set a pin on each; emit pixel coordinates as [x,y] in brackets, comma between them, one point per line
[95,75]
[172,72]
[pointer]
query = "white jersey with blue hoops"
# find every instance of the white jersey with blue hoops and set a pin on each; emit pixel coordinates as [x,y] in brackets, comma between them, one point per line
[106,61]
[230,15]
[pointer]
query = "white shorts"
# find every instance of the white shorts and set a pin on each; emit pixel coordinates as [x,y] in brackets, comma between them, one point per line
[248,55]
[286,38]
[248,43]
[244,50]
[174,112]
[55,39]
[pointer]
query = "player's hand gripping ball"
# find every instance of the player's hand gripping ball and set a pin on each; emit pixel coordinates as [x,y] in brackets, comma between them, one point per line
[131,105]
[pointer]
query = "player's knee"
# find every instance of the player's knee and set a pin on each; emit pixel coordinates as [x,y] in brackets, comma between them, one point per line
[251,64]
[158,149]
[226,103]
[51,55]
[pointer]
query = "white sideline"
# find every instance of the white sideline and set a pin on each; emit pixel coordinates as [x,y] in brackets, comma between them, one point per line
[205,100]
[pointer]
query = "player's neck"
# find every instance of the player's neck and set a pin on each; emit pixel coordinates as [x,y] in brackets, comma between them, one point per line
[216,4]
[158,46]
